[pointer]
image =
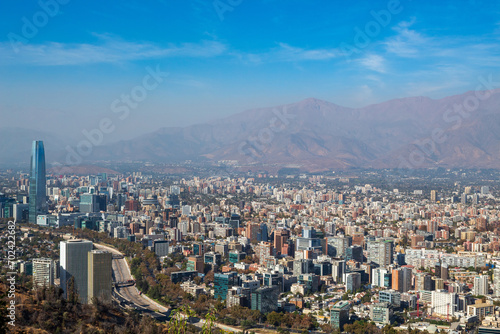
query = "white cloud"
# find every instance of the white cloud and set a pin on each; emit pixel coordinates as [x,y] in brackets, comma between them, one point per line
[286,53]
[108,51]
[289,53]
[374,62]
[407,42]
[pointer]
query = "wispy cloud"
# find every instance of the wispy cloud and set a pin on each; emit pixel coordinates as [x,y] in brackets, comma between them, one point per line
[287,53]
[374,62]
[407,42]
[110,50]
[115,50]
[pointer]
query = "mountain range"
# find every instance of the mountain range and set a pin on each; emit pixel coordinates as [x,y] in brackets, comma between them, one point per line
[456,131]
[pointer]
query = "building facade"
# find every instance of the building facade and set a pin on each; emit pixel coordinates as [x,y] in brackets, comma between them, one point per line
[265,299]
[339,314]
[74,264]
[99,275]
[43,272]
[38,184]
[381,313]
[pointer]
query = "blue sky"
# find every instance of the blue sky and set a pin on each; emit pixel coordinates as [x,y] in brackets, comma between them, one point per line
[226,56]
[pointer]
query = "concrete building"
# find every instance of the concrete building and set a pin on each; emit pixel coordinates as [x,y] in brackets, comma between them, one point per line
[310,282]
[265,299]
[74,264]
[443,303]
[381,313]
[480,285]
[481,309]
[161,247]
[402,279]
[43,272]
[195,263]
[339,314]
[433,195]
[337,245]
[222,283]
[496,282]
[212,258]
[380,252]
[352,282]
[99,275]
[273,278]
[88,203]
[390,296]
[303,266]
[378,277]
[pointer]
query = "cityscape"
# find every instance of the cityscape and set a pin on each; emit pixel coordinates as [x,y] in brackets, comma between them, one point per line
[261,252]
[248,167]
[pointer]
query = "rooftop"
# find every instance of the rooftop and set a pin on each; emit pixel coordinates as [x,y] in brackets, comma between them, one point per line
[340,305]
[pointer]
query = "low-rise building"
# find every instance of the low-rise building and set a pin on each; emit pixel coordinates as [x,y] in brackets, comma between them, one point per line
[481,309]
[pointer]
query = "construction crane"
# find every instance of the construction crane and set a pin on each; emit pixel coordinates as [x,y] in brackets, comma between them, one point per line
[418,305]
[447,310]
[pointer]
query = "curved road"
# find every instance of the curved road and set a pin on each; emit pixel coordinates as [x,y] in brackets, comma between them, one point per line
[121,273]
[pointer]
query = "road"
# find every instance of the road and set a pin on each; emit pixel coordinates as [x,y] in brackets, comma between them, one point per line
[130,294]
[121,273]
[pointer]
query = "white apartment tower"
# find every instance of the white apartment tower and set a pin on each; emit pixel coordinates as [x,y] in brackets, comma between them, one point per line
[480,286]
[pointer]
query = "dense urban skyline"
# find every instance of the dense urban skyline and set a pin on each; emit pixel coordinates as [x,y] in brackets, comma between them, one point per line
[250,166]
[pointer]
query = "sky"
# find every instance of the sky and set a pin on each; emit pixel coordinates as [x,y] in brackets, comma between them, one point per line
[65,65]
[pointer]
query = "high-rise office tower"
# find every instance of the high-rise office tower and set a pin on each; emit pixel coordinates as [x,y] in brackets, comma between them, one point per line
[38,185]
[336,246]
[354,253]
[252,231]
[88,203]
[463,199]
[401,279]
[99,276]
[74,264]
[264,233]
[222,283]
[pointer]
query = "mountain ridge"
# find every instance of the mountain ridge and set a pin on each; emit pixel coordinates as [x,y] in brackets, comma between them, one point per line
[320,135]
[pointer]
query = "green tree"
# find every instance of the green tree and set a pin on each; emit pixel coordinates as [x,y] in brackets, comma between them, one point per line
[274,318]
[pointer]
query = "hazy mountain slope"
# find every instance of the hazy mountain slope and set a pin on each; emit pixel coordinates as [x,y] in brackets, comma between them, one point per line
[315,134]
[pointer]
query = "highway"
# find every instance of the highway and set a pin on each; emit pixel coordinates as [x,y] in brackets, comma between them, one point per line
[130,294]
[121,273]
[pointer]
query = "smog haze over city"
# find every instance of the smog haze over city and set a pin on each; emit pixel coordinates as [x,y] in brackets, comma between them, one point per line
[250,166]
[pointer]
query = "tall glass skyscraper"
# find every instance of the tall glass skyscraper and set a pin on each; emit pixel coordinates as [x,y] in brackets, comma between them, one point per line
[38,192]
